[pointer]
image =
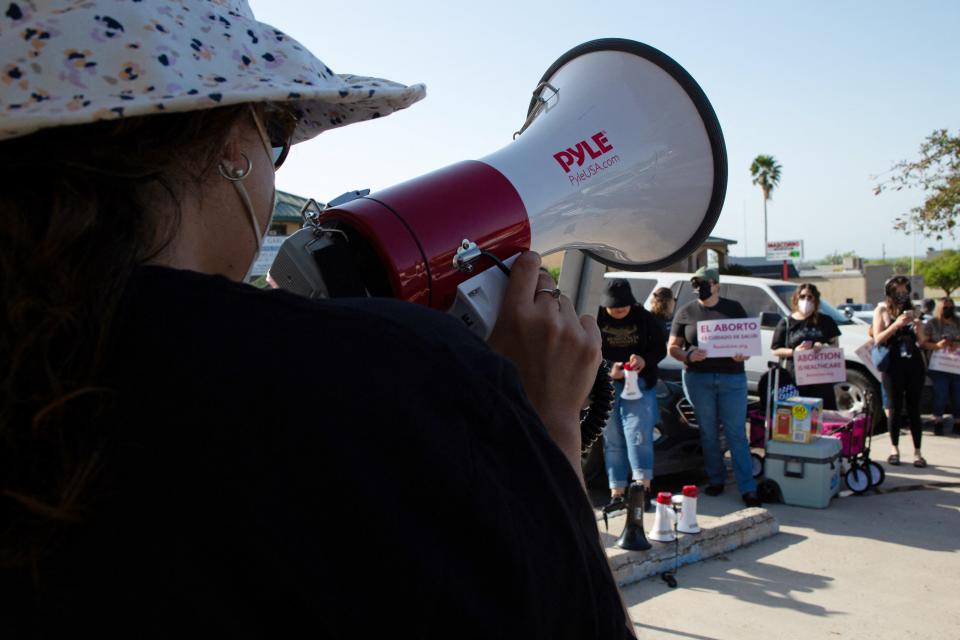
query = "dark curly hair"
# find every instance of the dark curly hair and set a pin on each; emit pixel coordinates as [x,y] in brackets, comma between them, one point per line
[75,221]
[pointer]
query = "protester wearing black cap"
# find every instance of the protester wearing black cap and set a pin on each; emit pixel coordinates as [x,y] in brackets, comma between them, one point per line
[632,337]
[716,387]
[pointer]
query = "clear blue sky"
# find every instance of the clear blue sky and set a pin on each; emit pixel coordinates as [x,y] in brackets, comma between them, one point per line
[836,91]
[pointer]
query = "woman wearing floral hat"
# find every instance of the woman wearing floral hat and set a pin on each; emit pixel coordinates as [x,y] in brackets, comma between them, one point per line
[152,479]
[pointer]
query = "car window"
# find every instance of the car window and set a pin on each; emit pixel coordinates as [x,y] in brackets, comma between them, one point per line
[755,300]
[684,293]
[642,288]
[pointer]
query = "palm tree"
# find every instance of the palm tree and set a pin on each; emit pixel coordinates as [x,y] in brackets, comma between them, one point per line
[766,173]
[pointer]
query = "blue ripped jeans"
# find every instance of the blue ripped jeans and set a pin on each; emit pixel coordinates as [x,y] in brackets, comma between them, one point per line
[721,398]
[628,436]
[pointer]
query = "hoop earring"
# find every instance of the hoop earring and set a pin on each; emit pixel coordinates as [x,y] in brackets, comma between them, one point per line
[236,175]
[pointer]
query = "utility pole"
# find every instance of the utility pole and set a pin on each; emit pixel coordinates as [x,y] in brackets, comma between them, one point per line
[913,254]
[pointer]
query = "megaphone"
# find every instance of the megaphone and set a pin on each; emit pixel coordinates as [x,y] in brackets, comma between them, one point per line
[621,156]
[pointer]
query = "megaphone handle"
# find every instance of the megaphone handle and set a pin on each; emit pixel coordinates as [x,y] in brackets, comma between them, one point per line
[477,306]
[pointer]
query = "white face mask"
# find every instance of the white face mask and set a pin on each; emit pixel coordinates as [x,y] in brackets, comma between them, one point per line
[805,307]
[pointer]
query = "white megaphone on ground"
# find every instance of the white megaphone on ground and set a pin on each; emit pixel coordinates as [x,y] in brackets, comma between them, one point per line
[621,156]
[664,519]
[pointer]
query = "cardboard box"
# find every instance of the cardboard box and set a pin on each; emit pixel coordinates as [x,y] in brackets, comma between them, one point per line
[797,420]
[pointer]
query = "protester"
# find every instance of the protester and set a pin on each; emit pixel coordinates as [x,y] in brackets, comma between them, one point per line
[898,331]
[716,387]
[632,337]
[662,306]
[165,469]
[942,333]
[804,329]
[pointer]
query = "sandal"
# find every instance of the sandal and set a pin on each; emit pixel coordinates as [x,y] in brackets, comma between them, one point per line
[894,459]
[919,462]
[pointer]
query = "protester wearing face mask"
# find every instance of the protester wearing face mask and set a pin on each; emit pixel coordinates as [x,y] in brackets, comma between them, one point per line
[943,333]
[716,387]
[806,328]
[897,327]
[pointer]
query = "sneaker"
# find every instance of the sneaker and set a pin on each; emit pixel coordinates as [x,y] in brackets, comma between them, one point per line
[616,503]
[751,500]
[713,489]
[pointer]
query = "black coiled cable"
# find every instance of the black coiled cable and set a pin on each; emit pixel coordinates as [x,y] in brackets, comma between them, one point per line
[594,418]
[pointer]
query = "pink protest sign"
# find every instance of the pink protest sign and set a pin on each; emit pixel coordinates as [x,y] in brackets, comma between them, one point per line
[727,338]
[945,360]
[819,366]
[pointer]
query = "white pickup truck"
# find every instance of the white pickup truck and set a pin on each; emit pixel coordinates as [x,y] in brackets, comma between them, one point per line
[770,301]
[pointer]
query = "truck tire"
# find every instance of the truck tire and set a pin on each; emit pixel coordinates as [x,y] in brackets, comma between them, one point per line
[853,394]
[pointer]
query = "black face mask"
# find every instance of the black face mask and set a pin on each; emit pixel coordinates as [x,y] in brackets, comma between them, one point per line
[903,298]
[948,312]
[704,291]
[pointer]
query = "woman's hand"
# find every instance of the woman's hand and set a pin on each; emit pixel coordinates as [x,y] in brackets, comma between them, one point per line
[942,344]
[739,357]
[616,371]
[637,363]
[697,355]
[556,352]
[804,346]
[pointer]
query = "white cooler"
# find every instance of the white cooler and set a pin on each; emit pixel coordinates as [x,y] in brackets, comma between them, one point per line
[808,474]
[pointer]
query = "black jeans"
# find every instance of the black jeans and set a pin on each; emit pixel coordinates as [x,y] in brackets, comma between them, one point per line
[903,381]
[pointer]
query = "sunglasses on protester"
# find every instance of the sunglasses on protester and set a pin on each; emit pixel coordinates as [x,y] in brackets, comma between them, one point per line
[806,296]
[280,125]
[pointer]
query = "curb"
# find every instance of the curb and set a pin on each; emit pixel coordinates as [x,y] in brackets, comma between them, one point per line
[724,535]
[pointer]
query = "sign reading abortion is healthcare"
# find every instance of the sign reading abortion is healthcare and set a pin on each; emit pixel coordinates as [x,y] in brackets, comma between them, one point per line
[819,366]
[727,338]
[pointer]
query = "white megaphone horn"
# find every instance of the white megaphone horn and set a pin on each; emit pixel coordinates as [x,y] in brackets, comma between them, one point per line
[621,156]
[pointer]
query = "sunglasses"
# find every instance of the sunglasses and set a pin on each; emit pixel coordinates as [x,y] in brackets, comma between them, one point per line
[696,283]
[279,125]
[805,296]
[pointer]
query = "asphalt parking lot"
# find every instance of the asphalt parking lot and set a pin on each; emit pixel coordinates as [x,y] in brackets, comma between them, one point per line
[881,565]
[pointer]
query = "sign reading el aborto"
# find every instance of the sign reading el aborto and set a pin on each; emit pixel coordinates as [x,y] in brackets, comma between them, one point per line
[727,338]
[819,366]
[945,360]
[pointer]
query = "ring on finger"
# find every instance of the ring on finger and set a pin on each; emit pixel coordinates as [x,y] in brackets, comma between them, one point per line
[555,293]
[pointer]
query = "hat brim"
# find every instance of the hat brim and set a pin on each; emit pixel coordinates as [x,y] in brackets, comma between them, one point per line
[149,59]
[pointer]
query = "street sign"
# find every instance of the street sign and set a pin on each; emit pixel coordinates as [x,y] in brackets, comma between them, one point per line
[271,246]
[785,250]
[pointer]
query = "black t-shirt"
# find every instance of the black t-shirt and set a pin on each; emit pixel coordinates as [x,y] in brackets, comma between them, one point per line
[640,333]
[791,332]
[266,476]
[685,326]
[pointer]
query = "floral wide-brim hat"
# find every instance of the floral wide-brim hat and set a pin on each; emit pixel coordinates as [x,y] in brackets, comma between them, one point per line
[69,62]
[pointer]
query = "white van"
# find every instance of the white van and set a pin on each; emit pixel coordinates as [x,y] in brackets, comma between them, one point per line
[770,301]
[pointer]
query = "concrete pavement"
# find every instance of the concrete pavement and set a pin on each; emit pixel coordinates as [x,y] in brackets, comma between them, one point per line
[882,565]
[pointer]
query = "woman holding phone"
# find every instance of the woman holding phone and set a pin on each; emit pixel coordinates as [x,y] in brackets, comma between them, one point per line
[897,327]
